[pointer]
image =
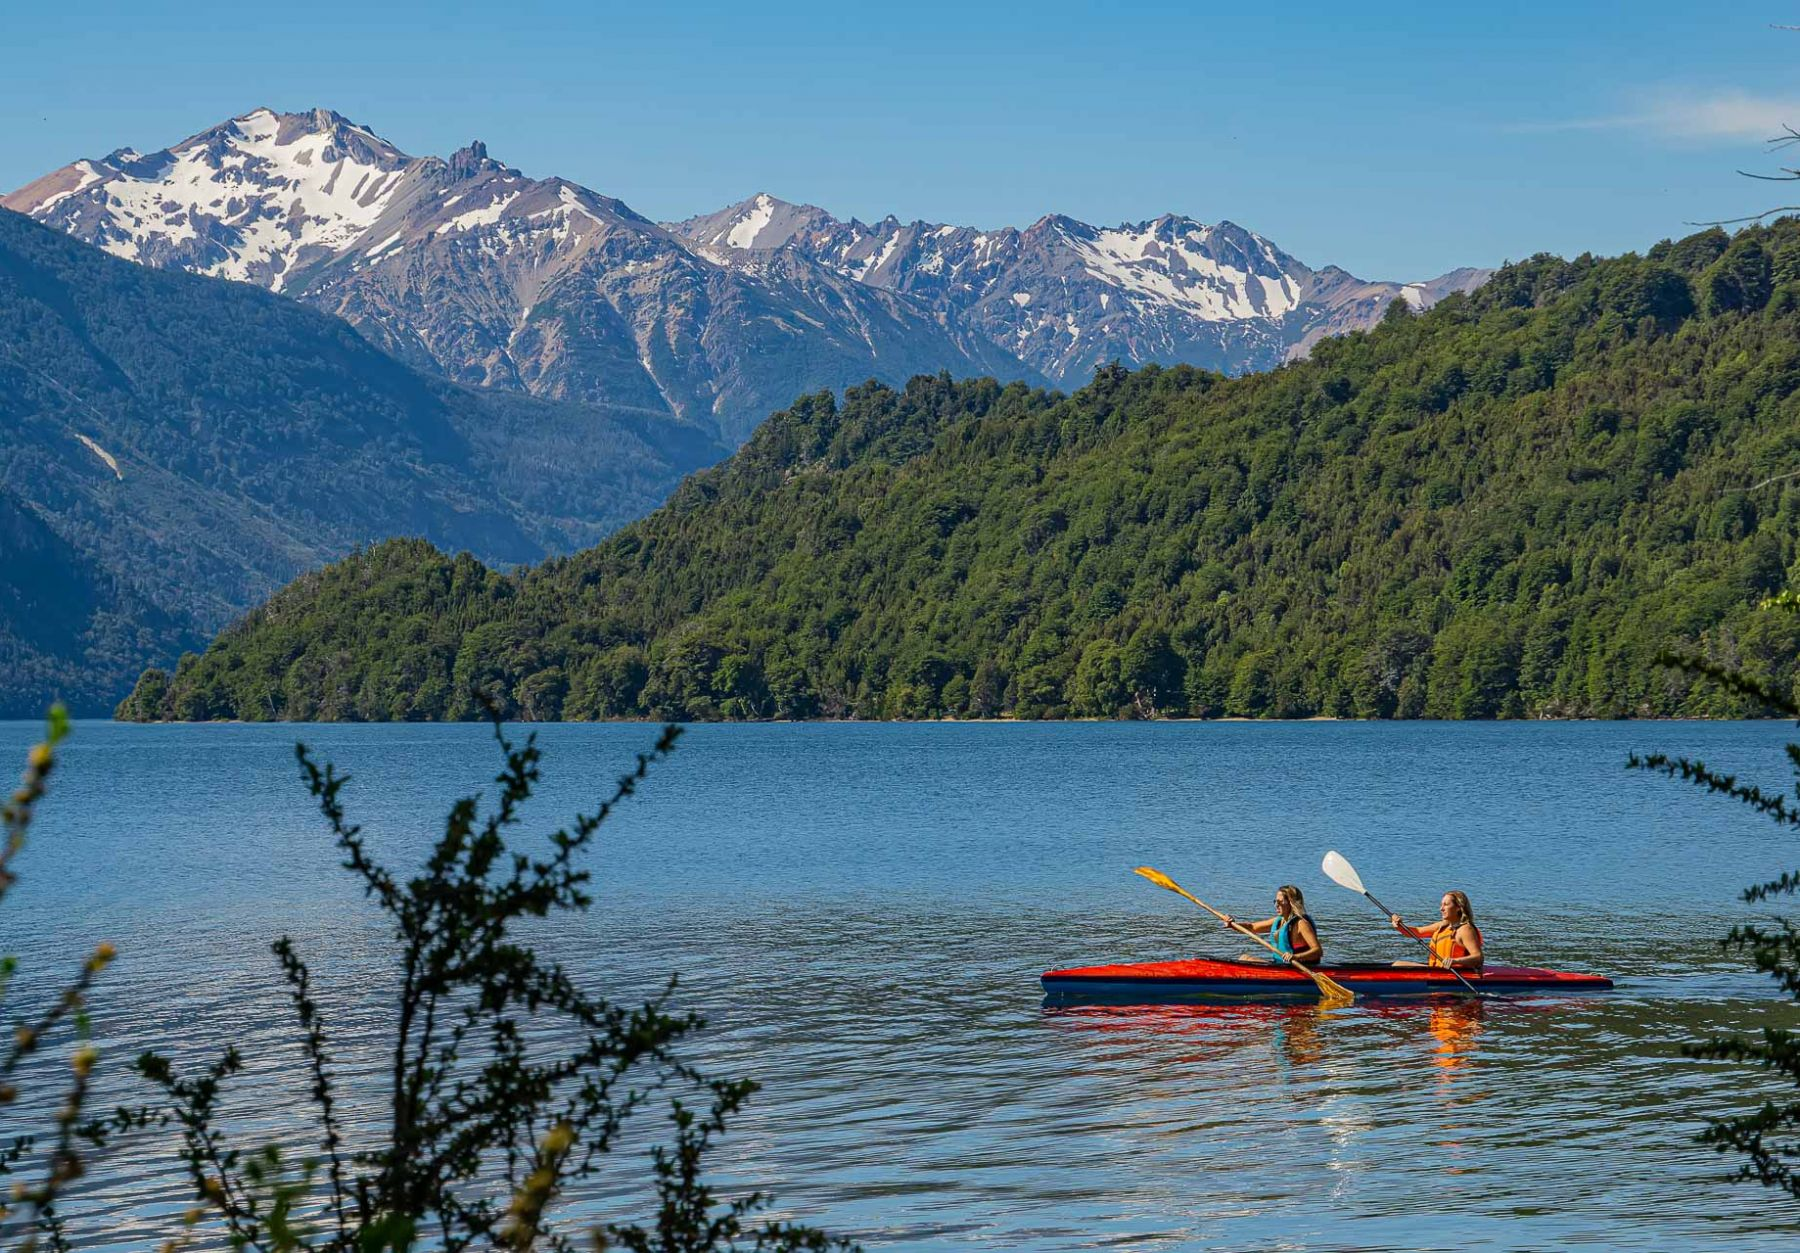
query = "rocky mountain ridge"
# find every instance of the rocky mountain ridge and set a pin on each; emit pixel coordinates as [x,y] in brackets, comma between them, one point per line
[467,268]
[1067,297]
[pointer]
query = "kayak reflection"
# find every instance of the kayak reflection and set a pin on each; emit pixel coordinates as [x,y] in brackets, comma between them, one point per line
[1215,1029]
[1448,1028]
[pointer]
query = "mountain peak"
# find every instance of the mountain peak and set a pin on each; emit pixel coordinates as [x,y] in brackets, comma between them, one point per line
[266,125]
[316,120]
[470,161]
[759,223]
[249,199]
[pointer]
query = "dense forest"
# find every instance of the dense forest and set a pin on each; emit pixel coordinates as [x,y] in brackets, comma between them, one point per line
[1505,507]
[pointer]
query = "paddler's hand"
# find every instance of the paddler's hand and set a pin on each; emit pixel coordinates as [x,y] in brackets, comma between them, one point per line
[1230,923]
[1398,925]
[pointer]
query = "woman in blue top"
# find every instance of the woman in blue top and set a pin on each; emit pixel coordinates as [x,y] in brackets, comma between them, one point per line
[1291,930]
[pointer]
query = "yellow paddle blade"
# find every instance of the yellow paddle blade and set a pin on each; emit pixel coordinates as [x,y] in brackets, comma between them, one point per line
[1162,880]
[1157,877]
[1332,993]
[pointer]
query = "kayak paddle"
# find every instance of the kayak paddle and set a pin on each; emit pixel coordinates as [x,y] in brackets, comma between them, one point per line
[1344,875]
[1334,992]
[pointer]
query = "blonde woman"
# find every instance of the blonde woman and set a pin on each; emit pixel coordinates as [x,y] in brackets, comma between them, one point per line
[1455,939]
[1291,930]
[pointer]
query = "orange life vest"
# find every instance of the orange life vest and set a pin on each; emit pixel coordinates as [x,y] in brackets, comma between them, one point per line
[1446,948]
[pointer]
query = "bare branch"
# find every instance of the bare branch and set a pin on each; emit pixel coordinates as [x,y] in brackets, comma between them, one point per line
[1755,217]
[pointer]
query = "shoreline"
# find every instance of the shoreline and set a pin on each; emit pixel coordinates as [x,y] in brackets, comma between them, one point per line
[790,722]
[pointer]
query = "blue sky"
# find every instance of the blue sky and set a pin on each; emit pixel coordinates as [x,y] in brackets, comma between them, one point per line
[1395,140]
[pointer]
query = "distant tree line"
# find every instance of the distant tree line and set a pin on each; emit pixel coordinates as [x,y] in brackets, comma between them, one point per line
[1505,507]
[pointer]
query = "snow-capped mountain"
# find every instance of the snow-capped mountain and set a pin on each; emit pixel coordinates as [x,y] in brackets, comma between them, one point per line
[255,199]
[1066,297]
[467,268]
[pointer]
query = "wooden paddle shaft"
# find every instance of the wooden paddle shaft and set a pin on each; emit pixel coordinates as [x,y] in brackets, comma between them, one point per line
[1327,985]
[1239,927]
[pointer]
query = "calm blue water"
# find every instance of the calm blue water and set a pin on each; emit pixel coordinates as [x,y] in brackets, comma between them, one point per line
[862,912]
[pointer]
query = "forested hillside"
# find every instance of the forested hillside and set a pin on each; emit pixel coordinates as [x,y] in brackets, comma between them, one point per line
[174,449]
[1506,506]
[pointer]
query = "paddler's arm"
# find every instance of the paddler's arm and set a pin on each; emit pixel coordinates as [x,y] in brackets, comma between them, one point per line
[1307,949]
[1255,928]
[1418,933]
[1470,939]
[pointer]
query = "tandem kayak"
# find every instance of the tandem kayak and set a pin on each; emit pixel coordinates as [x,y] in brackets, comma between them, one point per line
[1205,979]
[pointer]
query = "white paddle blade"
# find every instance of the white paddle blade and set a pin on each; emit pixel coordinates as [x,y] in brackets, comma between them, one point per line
[1341,872]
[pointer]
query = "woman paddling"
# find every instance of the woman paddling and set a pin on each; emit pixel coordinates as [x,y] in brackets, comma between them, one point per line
[1291,930]
[1455,940]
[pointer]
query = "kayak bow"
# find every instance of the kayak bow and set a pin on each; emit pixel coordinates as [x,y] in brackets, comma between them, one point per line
[1206,979]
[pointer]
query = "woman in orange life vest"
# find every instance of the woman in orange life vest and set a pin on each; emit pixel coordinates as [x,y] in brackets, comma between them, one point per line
[1291,930]
[1455,941]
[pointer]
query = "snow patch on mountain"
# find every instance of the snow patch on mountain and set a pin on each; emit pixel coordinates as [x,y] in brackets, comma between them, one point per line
[484,216]
[744,233]
[1173,265]
[85,177]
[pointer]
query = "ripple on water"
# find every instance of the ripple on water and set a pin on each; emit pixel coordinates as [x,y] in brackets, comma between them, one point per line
[865,938]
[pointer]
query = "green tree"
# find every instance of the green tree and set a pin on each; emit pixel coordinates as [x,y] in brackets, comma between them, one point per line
[1252,687]
[1098,689]
[1152,671]
[738,683]
[987,690]
[149,699]
[1741,279]
[1768,1137]
[540,694]
[609,684]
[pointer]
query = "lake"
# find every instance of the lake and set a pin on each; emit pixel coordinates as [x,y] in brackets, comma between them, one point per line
[862,912]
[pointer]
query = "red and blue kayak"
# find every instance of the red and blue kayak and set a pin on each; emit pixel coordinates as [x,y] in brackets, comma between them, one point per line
[1149,983]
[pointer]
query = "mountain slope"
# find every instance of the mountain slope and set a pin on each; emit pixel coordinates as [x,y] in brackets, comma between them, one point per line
[179,447]
[69,630]
[1507,505]
[466,268]
[1067,297]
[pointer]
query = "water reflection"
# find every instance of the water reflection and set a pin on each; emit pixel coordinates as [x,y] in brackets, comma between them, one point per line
[1456,1024]
[1292,1029]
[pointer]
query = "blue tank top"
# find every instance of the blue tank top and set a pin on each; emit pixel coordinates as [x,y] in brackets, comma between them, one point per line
[1280,937]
